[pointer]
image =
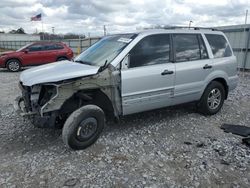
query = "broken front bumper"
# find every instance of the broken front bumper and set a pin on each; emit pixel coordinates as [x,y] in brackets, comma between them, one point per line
[46,121]
[20,108]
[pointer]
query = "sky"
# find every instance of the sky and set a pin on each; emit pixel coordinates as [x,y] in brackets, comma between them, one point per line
[89,16]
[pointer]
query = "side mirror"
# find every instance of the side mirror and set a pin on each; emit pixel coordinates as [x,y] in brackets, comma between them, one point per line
[125,62]
[26,51]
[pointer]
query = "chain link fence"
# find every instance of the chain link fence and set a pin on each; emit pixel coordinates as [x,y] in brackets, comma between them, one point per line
[77,45]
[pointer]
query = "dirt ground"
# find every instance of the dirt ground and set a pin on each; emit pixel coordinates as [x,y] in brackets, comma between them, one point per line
[170,147]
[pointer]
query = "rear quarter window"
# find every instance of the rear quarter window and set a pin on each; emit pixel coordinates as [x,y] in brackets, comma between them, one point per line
[219,45]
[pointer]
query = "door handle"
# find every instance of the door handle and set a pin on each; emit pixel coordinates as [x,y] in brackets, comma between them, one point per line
[165,72]
[207,66]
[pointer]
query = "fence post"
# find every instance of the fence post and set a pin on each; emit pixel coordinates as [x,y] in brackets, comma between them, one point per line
[81,46]
[246,52]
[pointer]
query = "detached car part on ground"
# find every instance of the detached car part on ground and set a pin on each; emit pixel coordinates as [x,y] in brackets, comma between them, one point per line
[125,74]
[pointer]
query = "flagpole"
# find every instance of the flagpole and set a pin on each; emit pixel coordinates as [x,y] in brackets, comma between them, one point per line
[42,30]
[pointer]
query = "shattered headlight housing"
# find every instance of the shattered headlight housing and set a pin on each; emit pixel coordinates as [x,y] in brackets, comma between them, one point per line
[47,92]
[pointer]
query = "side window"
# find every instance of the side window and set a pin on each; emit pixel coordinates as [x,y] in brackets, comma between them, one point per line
[219,45]
[53,47]
[36,47]
[58,46]
[189,47]
[49,47]
[151,50]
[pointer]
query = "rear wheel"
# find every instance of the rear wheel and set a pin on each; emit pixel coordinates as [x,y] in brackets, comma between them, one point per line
[83,127]
[13,65]
[212,99]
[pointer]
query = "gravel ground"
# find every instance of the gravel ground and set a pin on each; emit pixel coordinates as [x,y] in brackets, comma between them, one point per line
[170,147]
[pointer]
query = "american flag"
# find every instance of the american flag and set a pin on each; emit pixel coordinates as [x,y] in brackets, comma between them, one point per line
[36,18]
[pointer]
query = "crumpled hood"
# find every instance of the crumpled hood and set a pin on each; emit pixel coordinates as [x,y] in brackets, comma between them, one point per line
[55,72]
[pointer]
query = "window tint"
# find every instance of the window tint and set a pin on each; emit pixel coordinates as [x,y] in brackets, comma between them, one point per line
[151,50]
[189,47]
[219,45]
[36,47]
[53,46]
[58,46]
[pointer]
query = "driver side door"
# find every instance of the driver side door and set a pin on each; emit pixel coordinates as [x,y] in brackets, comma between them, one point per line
[148,81]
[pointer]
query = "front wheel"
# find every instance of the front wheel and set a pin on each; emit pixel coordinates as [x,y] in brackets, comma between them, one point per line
[83,127]
[212,99]
[13,65]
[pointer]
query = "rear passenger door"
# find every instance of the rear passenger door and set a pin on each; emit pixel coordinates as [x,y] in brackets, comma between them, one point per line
[148,82]
[192,67]
[51,51]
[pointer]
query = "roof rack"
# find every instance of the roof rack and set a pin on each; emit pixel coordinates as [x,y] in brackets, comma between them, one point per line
[186,27]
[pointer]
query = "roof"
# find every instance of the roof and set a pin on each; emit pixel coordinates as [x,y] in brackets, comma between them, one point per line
[179,30]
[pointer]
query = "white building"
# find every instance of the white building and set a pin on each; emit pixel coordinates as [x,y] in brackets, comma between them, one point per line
[18,37]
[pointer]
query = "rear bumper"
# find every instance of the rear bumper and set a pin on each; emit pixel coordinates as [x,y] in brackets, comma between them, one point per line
[47,121]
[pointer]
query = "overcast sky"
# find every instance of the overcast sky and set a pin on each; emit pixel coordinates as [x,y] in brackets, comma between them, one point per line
[83,16]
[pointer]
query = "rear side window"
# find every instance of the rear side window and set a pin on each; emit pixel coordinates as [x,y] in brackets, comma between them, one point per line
[58,46]
[151,50]
[189,47]
[219,45]
[53,47]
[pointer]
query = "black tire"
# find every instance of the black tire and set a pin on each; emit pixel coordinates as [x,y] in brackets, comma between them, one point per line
[61,58]
[13,65]
[73,134]
[205,105]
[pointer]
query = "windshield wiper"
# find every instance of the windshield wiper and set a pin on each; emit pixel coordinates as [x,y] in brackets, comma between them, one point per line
[83,62]
[103,66]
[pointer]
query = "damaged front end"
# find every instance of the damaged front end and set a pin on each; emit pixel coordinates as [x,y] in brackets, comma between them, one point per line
[32,102]
[48,105]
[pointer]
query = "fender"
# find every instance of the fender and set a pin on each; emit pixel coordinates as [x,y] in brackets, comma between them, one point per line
[217,74]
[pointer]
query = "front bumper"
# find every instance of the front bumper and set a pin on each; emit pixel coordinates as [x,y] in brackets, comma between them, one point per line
[20,108]
[2,64]
[46,121]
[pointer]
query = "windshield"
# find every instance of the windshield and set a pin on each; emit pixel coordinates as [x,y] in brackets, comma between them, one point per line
[23,47]
[105,50]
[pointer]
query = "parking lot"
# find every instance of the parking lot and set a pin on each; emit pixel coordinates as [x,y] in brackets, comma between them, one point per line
[170,147]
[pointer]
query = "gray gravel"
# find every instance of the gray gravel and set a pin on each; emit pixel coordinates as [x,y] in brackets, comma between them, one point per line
[171,147]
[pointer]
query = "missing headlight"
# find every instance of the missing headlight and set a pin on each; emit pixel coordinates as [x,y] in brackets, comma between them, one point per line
[46,93]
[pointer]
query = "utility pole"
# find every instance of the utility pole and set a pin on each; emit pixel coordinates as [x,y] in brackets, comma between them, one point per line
[189,25]
[104,30]
[53,31]
[246,17]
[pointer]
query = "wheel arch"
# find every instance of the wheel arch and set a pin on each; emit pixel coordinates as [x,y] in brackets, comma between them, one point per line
[221,80]
[62,56]
[16,58]
[85,97]
[224,83]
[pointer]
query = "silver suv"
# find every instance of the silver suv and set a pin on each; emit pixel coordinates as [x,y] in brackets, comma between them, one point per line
[125,74]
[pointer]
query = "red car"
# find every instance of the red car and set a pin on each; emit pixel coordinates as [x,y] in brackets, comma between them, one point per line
[36,53]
